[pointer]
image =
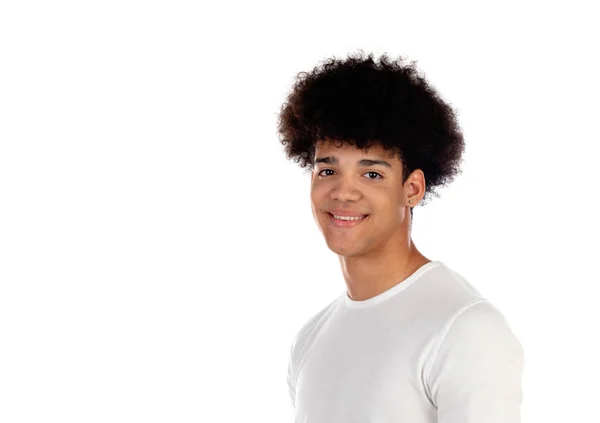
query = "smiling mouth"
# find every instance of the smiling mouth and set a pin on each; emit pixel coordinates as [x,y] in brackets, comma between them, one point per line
[348,218]
[346,223]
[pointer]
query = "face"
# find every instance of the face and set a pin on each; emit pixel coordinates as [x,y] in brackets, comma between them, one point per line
[344,178]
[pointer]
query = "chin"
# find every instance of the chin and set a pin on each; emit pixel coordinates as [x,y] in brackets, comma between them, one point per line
[344,249]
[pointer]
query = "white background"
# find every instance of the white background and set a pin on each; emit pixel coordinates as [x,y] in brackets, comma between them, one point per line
[157,250]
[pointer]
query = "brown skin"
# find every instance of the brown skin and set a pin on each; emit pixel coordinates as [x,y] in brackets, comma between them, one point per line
[378,253]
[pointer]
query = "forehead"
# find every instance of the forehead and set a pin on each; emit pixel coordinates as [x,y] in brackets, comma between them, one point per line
[339,147]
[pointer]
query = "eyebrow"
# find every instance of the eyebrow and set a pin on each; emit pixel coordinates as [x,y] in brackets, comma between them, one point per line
[363,162]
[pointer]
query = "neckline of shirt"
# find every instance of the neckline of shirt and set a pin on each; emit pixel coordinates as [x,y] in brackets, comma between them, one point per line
[400,286]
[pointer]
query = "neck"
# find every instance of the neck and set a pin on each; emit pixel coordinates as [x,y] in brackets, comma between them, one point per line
[369,276]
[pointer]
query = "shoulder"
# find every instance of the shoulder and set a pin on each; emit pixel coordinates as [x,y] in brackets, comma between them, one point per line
[313,325]
[479,338]
[477,365]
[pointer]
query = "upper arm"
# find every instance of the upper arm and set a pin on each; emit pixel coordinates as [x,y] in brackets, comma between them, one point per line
[476,374]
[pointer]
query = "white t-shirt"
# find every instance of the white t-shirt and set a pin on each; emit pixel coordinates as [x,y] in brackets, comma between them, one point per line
[430,349]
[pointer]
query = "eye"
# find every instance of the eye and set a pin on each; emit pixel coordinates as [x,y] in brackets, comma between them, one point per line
[368,173]
[319,174]
[375,174]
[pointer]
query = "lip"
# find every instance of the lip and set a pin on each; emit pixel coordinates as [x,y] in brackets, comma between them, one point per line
[345,223]
[340,212]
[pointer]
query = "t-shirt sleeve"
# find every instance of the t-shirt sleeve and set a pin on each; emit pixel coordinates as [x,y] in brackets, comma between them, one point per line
[291,375]
[476,375]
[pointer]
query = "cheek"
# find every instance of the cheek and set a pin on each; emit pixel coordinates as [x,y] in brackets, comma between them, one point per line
[314,199]
[369,239]
[317,194]
[316,202]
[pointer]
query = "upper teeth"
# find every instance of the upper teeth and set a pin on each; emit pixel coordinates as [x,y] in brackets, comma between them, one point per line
[347,217]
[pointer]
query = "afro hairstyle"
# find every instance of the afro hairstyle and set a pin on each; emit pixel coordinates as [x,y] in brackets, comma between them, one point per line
[363,102]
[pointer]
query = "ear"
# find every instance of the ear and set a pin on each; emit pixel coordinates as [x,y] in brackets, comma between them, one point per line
[415,186]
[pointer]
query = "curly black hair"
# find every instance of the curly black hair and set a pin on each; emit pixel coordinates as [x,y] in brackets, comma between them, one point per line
[362,102]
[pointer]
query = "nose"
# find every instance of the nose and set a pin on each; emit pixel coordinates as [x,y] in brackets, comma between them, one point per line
[344,190]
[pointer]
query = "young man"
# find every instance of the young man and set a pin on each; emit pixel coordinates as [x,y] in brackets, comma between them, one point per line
[409,339]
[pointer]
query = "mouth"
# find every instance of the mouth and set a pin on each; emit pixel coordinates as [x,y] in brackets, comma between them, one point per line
[348,222]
